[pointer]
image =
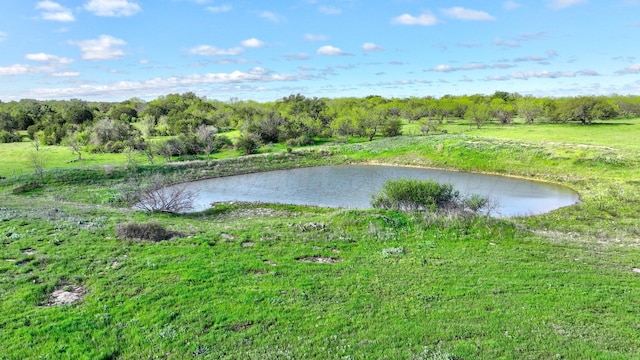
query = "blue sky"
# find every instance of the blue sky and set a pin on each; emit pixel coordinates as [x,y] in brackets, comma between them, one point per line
[263,50]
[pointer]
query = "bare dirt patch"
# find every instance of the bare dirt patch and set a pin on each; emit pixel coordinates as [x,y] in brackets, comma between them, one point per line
[248,244]
[29,252]
[66,295]
[319,259]
[241,326]
[228,237]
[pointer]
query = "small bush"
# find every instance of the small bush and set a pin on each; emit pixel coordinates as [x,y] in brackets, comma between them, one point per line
[429,195]
[476,202]
[414,195]
[222,142]
[392,128]
[302,140]
[150,231]
[9,137]
[248,144]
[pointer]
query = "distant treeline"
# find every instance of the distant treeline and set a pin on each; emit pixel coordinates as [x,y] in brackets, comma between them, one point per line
[294,120]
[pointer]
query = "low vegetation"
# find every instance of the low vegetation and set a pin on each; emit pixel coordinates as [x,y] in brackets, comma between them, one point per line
[426,195]
[148,231]
[82,274]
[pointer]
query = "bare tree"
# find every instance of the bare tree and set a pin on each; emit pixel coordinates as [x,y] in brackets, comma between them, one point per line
[206,139]
[160,196]
[37,160]
[74,144]
[150,152]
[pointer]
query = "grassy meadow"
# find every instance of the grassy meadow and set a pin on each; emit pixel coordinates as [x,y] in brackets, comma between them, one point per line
[272,281]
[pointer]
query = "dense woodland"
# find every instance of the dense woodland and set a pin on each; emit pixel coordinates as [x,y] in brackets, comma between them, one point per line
[192,125]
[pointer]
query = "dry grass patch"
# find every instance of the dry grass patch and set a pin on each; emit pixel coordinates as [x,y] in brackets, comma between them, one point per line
[66,295]
[319,259]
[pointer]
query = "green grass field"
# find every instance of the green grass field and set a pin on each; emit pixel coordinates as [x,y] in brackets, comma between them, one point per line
[240,281]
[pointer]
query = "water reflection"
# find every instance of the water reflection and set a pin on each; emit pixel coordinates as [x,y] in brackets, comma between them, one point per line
[352,186]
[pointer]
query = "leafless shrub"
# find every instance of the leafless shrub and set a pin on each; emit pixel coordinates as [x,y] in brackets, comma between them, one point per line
[150,231]
[37,160]
[159,196]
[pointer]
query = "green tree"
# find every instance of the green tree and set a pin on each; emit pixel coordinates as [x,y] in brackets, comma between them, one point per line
[392,127]
[110,135]
[529,109]
[248,143]
[479,114]
[502,110]
[585,109]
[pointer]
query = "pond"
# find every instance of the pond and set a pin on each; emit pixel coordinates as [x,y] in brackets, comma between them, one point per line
[352,186]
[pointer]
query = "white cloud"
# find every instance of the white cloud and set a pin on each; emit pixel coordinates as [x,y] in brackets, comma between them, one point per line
[112,7]
[526,75]
[252,43]
[473,66]
[3,35]
[442,68]
[502,66]
[530,58]
[48,58]
[232,61]
[105,47]
[588,72]
[329,10]
[561,4]
[15,69]
[461,13]
[511,5]
[468,67]
[207,50]
[219,9]
[66,74]
[297,56]
[506,43]
[469,44]
[369,46]
[424,19]
[497,78]
[55,12]
[315,37]
[532,36]
[159,86]
[329,51]
[631,69]
[271,16]
[50,63]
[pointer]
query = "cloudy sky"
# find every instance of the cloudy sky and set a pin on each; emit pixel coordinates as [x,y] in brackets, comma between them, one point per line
[264,50]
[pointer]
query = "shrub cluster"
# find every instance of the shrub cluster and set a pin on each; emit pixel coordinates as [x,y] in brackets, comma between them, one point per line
[413,195]
[427,195]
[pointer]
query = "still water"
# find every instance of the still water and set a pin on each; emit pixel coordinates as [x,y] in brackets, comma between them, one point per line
[352,186]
